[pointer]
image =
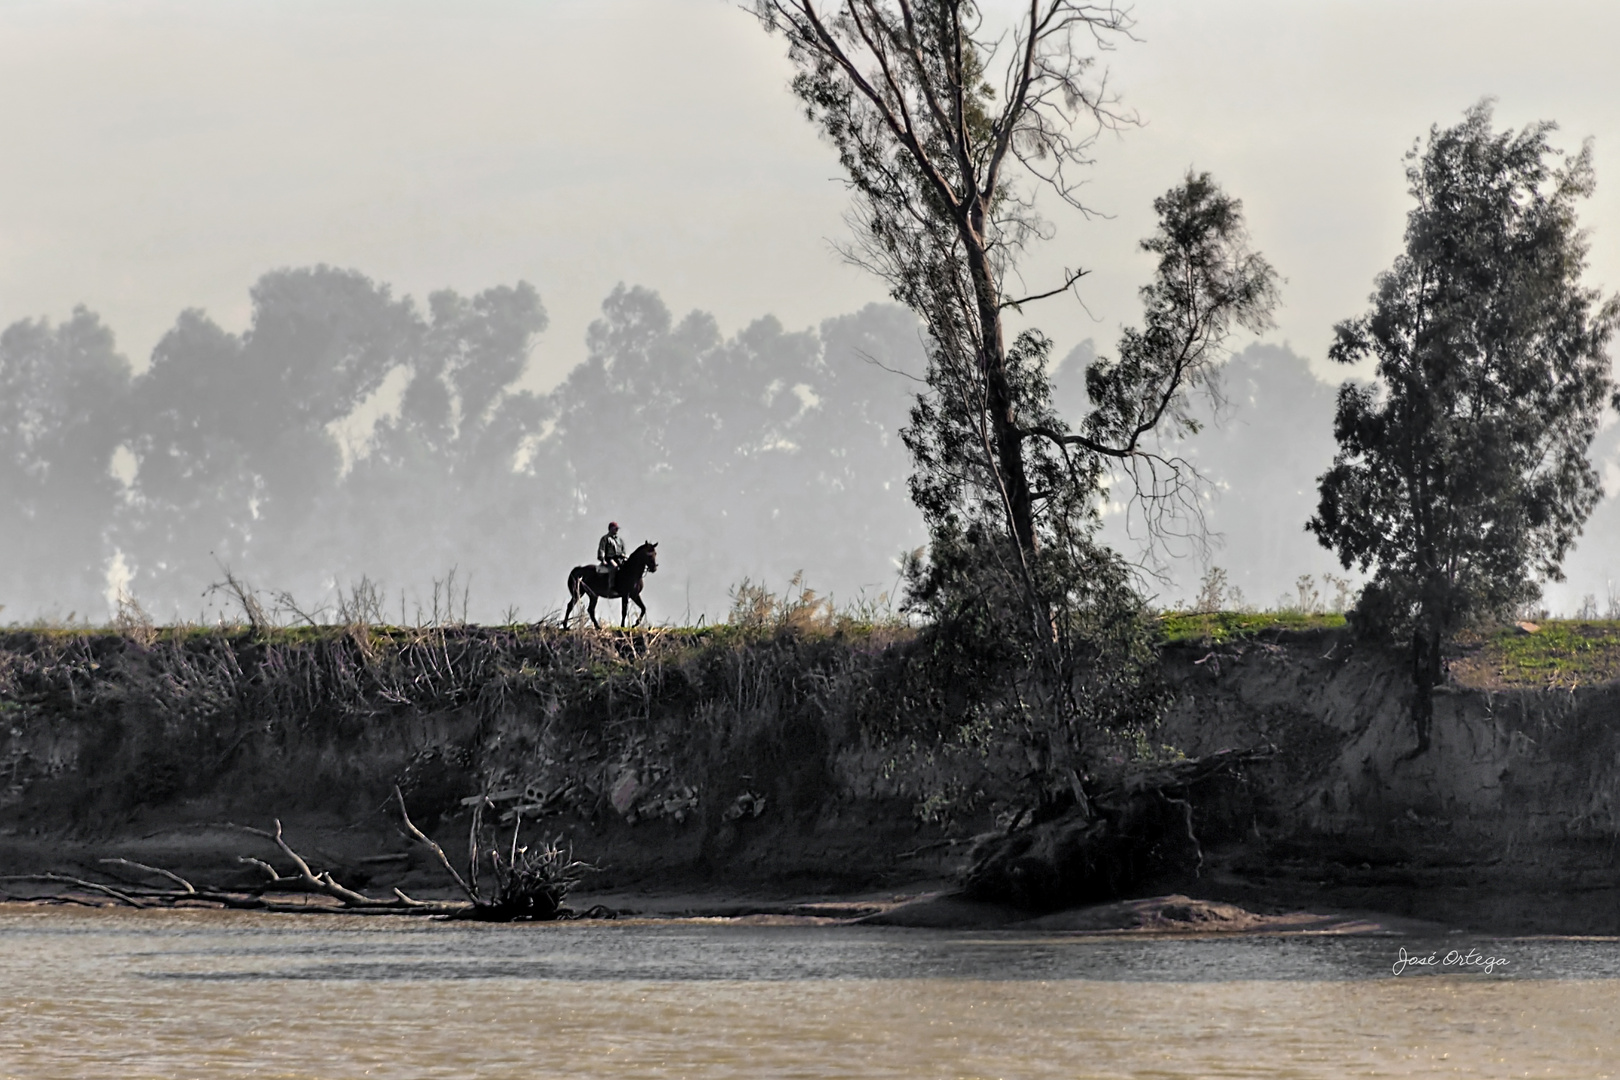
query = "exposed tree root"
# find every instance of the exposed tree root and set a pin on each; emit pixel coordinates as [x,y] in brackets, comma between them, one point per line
[1107,845]
[529,883]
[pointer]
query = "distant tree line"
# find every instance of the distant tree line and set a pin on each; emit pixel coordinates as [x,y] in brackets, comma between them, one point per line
[350,434]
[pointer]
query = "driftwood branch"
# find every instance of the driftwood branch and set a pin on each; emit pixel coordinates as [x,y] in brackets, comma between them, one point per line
[93,886]
[422,838]
[156,870]
[324,882]
[530,883]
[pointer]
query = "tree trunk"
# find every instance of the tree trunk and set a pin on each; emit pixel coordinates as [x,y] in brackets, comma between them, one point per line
[1425,677]
[1010,455]
[1009,441]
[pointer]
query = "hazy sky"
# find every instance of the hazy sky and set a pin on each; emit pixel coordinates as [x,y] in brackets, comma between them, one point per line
[162,154]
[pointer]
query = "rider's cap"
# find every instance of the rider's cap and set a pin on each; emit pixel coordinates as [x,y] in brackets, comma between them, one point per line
[613,524]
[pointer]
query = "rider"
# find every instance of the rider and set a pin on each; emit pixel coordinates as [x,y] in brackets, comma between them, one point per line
[610,552]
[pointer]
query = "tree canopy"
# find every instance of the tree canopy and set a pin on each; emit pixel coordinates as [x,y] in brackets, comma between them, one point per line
[63,391]
[951,134]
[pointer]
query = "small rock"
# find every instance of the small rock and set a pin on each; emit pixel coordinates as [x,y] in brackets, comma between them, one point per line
[1527,628]
[747,804]
[625,790]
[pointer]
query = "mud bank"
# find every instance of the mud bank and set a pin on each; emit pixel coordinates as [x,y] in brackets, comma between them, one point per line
[783,766]
[1510,821]
[669,758]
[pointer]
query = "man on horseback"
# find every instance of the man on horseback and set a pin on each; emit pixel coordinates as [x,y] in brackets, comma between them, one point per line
[610,553]
[614,576]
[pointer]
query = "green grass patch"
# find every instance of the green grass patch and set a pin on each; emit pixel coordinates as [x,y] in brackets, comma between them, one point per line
[1220,626]
[1562,653]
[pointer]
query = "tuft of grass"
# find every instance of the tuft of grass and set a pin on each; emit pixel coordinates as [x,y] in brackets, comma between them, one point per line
[802,610]
[1217,627]
[1562,654]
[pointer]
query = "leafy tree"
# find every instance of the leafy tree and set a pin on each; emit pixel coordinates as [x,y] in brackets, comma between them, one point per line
[947,169]
[900,89]
[1088,633]
[1462,472]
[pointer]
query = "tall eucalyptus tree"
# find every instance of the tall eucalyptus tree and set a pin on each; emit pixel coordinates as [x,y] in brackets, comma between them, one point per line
[950,135]
[954,136]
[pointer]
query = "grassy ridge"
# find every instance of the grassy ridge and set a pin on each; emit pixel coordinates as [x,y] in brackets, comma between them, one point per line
[1558,654]
[99,725]
[1217,627]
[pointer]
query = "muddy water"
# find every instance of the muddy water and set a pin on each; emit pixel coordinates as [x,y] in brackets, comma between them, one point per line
[206,994]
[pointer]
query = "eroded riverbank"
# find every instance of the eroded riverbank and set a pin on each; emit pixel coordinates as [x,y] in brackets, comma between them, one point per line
[746,768]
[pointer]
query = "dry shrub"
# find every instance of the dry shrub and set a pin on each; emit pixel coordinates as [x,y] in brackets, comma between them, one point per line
[800,609]
[133,622]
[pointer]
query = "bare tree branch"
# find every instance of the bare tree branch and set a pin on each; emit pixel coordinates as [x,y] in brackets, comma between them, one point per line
[423,838]
[1070,277]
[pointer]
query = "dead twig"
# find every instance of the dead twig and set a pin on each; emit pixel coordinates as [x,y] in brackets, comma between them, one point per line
[158,870]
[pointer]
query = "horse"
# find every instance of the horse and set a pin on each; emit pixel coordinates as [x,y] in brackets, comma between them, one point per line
[591,581]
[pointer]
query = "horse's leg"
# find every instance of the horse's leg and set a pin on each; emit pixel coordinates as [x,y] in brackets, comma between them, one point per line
[573,598]
[592,611]
[637,598]
[624,610]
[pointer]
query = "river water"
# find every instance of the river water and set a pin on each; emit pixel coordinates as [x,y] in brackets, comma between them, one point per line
[205,994]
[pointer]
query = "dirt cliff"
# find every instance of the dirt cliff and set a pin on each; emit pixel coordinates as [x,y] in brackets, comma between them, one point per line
[1509,820]
[726,761]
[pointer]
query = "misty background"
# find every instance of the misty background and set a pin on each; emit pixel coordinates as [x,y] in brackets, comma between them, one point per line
[311,426]
[352,434]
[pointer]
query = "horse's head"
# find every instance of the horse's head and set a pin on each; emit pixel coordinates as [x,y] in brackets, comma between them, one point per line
[650,551]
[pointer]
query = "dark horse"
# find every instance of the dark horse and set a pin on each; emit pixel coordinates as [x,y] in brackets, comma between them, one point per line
[592,582]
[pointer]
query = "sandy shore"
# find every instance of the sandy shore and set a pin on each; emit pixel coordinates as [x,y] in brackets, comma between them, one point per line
[938,907]
[941,907]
